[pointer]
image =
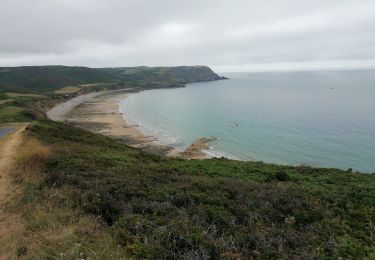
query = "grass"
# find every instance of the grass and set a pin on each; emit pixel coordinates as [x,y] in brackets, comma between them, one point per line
[11,114]
[42,79]
[88,87]
[2,102]
[87,196]
[16,95]
[23,107]
[67,90]
[15,109]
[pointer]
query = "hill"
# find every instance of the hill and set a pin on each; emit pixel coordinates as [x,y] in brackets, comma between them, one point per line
[39,79]
[87,196]
[57,83]
[167,76]
[47,78]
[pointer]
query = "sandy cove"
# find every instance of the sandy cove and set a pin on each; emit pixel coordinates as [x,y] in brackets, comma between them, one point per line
[99,112]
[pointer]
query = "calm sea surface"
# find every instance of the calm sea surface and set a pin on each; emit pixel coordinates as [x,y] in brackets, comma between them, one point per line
[324,119]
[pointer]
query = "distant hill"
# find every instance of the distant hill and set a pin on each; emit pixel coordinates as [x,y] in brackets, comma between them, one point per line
[181,74]
[50,78]
[47,78]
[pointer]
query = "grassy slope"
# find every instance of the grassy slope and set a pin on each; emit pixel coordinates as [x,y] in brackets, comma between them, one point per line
[15,109]
[90,196]
[12,114]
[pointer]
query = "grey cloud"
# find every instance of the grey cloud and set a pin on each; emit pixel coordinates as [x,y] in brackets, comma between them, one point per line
[217,33]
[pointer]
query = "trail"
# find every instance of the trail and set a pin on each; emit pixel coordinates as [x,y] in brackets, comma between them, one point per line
[10,223]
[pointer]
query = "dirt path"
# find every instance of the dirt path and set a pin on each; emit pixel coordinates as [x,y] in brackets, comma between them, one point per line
[8,150]
[10,223]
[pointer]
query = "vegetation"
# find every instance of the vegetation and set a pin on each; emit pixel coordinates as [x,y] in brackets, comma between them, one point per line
[67,90]
[11,114]
[42,79]
[23,95]
[47,78]
[14,107]
[3,96]
[88,196]
[27,93]
[161,77]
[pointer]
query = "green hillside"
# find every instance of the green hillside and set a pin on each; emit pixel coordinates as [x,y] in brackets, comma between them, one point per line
[91,197]
[39,79]
[47,78]
[162,75]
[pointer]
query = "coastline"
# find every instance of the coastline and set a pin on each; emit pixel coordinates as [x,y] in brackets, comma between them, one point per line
[100,112]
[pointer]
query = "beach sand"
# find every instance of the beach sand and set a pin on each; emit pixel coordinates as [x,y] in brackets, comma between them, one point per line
[100,113]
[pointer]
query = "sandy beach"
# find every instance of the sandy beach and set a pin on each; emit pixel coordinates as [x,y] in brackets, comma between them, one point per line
[99,112]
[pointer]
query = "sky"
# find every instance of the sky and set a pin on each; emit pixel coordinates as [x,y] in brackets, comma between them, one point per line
[238,35]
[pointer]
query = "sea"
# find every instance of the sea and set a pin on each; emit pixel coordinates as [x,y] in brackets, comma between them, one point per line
[318,118]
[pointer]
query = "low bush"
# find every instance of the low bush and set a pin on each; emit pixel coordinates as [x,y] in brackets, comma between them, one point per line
[148,207]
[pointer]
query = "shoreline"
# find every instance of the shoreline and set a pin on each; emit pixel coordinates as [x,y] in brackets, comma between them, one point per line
[100,112]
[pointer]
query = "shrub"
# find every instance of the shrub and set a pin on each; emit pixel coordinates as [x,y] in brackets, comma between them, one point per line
[282,176]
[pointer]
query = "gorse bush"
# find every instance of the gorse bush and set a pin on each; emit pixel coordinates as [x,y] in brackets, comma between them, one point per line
[148,207]
[282,176]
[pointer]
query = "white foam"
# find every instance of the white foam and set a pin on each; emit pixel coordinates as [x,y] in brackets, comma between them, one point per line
[219,154]
[155,132]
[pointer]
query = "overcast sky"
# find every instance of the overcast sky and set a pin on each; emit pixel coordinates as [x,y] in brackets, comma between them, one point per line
[236,35]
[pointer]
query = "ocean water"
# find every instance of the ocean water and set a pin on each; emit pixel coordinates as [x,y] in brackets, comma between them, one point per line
[323,119]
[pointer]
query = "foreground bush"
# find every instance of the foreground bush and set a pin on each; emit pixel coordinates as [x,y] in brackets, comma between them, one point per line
[110,201]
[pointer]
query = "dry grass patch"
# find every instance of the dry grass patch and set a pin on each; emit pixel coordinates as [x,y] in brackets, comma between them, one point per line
[75,89]
[32,158]
[11,221]
[15,95]
[52,223]
[5,101]
[67,90]
[55,229]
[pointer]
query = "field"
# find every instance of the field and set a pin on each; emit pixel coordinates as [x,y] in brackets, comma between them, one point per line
[9,114]
[67,90]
